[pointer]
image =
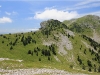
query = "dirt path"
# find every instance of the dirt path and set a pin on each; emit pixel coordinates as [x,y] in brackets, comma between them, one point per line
[2,59]
[37,71]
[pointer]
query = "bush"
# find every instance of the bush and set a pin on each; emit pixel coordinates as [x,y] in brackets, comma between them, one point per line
[39,59]
[89,63]
[89,70]
[2,41]
[49,58]
[11,48]
[83,67]
[71,66]
[99,69]
[29,52]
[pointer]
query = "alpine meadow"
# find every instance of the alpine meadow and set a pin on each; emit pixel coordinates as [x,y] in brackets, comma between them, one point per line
[71,45]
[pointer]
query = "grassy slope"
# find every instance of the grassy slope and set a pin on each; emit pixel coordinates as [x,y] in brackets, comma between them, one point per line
[20,52]
[85,24]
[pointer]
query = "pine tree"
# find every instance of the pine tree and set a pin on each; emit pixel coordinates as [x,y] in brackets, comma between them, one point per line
[49,58]
[39,59]
[29,52]
[11,48]
[2,41]
[89,63]
[83,67]
[99,69]
[89,69]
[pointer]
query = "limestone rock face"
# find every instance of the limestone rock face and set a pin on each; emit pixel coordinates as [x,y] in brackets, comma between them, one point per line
[43,24]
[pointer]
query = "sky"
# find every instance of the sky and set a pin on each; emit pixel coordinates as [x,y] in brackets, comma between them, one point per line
[26,15]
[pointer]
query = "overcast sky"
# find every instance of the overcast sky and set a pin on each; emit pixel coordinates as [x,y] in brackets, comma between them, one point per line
[26,15]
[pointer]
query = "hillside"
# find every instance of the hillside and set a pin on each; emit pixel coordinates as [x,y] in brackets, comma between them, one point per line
[68,46]
[88,25]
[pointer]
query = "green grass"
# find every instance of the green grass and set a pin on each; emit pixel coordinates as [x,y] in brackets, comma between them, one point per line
[20,52]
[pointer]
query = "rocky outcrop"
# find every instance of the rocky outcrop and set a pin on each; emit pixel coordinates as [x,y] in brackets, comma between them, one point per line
[43,24]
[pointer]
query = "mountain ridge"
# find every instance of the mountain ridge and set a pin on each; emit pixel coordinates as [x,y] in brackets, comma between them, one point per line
[58,45]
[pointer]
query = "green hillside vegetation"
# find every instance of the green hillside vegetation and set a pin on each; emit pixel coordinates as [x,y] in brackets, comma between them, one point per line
[31,47]
[85,24]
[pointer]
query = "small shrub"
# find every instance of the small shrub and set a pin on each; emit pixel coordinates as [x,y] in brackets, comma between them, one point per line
[90,69]
[39,59]
[49,58]
[29,52]
[71,66]
[2,41]
[11,48]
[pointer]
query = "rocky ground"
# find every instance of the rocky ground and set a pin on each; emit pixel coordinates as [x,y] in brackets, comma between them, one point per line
[36,71]
[96,36]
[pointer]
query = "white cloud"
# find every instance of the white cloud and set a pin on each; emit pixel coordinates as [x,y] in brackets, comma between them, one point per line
[85,6]
[0,6]
[56,14]
[11,13]
[8,13]
[97,13]
[5,20]
[14,13]
[86,2]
